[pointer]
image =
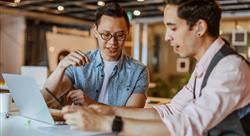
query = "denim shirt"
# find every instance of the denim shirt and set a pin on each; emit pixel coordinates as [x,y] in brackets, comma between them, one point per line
[128,77]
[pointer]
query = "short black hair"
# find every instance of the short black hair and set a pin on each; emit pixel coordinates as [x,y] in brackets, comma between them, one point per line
[193,10]
[112,9]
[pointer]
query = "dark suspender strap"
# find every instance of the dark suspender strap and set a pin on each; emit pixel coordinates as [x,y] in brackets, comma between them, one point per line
[224,51]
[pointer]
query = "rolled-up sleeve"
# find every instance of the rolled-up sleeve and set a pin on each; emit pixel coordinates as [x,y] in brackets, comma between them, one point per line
[142,82]
[69,72]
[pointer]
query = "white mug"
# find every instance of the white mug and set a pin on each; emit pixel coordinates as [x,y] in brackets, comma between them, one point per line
[5,101]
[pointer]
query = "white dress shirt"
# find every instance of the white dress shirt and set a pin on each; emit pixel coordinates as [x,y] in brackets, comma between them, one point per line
[227,89]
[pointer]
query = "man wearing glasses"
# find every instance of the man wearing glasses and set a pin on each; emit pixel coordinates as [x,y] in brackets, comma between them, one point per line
[106,75]
[210,104]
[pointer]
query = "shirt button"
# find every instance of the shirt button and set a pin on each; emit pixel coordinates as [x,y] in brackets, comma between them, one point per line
[102,75]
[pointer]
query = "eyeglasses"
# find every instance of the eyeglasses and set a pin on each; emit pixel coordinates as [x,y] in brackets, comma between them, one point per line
[120,36]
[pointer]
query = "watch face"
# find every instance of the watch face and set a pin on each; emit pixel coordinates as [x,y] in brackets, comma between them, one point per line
[117,124]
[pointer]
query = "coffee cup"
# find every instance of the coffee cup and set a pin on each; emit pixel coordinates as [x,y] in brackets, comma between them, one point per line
[5,101]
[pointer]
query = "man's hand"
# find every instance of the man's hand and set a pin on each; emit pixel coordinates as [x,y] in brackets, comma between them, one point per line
[103,109]
[78,97]
[56,114]
[83,118]
[75,58]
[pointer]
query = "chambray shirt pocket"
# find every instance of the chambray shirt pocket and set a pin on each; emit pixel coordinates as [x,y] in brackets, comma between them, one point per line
[124,92]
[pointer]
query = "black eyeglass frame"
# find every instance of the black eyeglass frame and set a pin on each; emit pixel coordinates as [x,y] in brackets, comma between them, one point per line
[122,38]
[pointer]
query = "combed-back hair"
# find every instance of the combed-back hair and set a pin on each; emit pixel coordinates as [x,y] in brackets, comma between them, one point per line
[193,10]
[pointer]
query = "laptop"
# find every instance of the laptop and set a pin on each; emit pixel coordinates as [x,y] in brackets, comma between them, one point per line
[39,73]
[28,98]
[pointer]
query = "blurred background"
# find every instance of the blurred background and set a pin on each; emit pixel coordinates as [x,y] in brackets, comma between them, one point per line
[36,34]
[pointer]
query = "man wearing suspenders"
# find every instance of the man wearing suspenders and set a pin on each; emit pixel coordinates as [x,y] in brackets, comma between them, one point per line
[213,101]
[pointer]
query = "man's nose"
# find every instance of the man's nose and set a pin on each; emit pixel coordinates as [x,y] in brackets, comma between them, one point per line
[168,37]
[113,41]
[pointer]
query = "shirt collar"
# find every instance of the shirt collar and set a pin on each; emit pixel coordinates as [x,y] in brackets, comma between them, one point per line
[98,59]
[119,64]
[205,60]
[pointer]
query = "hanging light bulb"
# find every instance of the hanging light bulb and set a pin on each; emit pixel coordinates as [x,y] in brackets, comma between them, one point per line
[137,13]
[17,1]
[60,8]
[100,3]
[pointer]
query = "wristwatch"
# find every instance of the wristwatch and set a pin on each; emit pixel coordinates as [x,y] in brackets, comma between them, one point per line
[117,124]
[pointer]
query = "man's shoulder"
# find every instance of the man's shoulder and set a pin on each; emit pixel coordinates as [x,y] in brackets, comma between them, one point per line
[131,62]
[91,53]
[232,59]
[231,63]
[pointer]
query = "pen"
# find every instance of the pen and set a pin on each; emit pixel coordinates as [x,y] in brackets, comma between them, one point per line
[54,96]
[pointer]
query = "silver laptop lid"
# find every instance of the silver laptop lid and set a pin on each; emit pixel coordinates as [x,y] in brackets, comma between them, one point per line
[28,98]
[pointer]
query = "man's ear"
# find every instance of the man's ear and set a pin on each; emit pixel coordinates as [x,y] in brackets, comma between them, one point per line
[201,27]
[95,30]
